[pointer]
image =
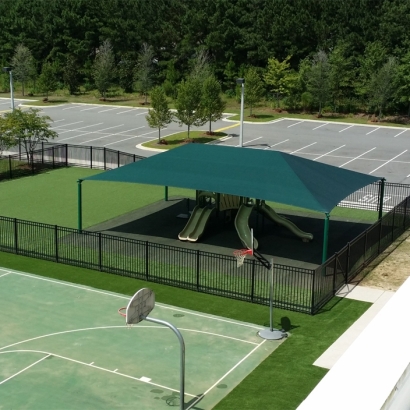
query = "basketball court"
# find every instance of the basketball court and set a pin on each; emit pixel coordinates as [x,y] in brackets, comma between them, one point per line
[65,346]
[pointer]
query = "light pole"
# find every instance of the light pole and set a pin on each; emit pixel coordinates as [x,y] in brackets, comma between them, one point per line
[9,70]
[241,82]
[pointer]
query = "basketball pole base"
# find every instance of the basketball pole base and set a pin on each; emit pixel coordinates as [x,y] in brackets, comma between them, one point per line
[273,334]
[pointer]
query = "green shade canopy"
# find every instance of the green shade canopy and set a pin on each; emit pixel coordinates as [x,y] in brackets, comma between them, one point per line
[261,174]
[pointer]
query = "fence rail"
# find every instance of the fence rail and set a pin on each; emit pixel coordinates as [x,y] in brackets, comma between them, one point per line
[295,289]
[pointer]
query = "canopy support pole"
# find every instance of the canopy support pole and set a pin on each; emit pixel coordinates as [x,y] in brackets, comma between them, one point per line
[325,237]
[79,206]
[166,194]
[381,197]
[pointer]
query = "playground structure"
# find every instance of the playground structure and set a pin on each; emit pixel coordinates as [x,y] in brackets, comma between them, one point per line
[210,202]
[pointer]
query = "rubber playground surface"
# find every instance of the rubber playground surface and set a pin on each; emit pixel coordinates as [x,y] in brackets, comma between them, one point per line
[65,346]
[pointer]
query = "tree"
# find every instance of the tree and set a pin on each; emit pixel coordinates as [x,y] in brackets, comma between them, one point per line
[200,65]
[279,77]
[6,140]
[212,105]
[382,85]
[172,77]
[47,80]
[70,74]
[188,104]
[254,90]
[126,69]
[23,65]
[160,115]
[104,67]
[318,83]
[144,69]
[403,81]
[28,128]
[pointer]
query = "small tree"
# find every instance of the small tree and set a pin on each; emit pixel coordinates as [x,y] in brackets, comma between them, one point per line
[6,140]
[70,74]
[28,128]
[104,67]
[160,115]
[23,65]
[47,80]
[212,104]
[188,104]
[144,70]
[126,68]
[254,90]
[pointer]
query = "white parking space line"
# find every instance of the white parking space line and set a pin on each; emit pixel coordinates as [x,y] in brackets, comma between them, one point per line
[327,153]
[344,129]
[367,133]
[390,160]
[66,125]
[92,108]
[122,112]
[58,121]
[111,135]
[274,145]
[126,139]
[296,123]
[81,128]
[248,142]
[399,133]
[109,109]
[364,153]
[90,132]
[70,108]
[300,149]
[320,126]
[142,113]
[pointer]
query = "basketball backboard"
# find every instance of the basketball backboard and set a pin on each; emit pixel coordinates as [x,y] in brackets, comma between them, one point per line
[140,306]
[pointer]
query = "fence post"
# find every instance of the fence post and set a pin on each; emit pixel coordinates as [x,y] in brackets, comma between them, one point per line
[347,261]
[253,280]
[66,155]
[147,260]
[99,251]
[312,302]
[381,197]
[135,157]
[118,155]
[10,171]
[91,156]
[42,152]
[16,246]
[334,273]
[392,224]
[56,241]
[105,158]
[197,269]
[52,149]
[31,157]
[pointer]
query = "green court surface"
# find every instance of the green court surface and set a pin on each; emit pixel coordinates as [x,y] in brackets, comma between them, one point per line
[65,346]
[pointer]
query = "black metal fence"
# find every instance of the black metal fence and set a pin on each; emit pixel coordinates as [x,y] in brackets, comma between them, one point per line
[184,268]
[295,289]
[51,156]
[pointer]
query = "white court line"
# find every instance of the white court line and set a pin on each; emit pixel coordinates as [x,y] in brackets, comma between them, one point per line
[300,149]
[95,367]
[92,108]
[390,160]
[248,142]
[344,129]
[128,298]
[218,335]
[108,109]
[348,162]
[367,133]
[91,132]
[66,125]
[26,368]
[111,135]
[327,153]
[399,133]
[226,374]
[5,274]
[320,126]
[274,145]
[126,139]
[80,128]
[300,122]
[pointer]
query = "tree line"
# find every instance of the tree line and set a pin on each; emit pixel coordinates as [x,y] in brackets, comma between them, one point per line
[342,56]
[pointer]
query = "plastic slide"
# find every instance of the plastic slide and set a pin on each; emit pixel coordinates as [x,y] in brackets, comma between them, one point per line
[201,224]
[242,226]
[280,220]
[196,224]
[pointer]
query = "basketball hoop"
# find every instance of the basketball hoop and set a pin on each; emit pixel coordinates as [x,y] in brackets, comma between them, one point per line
[240,256]
[122,311]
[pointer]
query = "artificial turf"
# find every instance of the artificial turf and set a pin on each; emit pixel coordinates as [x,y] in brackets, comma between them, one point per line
[283,380]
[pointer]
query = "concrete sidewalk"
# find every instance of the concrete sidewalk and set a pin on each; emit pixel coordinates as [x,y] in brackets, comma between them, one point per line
[378,297]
